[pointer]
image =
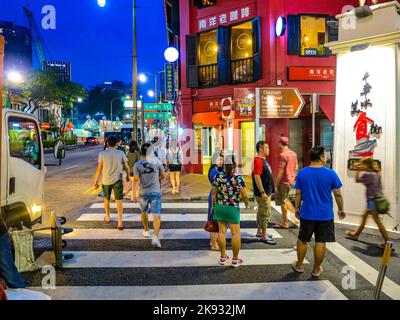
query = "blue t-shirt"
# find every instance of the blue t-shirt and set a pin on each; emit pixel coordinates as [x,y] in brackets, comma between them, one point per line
[316,185]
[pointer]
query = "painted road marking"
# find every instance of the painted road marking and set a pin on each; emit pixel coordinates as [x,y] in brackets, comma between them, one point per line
[299,290]
[164,217]
[77,165]
[167,259]
[165,234]
[390,288]
[173,205]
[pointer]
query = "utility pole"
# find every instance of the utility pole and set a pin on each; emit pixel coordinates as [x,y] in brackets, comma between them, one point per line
[134,78]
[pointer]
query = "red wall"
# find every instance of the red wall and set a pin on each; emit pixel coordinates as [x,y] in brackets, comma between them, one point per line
[275,60]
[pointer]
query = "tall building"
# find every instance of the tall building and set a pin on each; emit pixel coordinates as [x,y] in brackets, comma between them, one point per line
[18,47]
[228,49]
[62,69]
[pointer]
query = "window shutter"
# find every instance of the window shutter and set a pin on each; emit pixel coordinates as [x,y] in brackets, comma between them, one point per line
[257,56]
[332,31]
[224,55]
[192,68]
[293,38]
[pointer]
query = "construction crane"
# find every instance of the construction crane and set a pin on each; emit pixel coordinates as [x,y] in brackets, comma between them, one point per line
[41,50]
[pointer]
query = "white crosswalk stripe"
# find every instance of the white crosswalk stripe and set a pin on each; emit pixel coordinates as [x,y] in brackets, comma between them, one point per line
[170,234]
[137,253]
[164,217]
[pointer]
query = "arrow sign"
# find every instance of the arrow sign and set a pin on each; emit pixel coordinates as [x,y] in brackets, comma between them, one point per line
[280,102]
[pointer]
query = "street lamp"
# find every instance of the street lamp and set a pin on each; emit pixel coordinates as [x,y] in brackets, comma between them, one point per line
[171,54]
[150,93]
[142,78]
[15,77]
[101,3]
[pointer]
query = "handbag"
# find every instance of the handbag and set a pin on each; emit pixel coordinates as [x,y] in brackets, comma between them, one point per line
[382,205]
[211,226]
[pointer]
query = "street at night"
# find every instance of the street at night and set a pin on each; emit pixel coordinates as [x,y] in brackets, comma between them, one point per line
[202,156]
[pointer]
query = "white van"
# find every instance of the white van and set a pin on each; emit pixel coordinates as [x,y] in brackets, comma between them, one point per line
[22,169]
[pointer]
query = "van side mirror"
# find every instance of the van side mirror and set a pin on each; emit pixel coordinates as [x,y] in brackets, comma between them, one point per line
[59,150]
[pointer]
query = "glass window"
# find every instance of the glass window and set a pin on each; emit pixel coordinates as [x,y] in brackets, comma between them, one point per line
[208,48]
[313,36]
[242,41]
[205,3]
[24,141]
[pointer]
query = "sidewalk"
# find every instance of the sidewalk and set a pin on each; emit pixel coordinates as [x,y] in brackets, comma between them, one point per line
[193,187]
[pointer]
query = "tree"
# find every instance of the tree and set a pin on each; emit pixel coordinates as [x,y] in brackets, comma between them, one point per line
[99,101]
[43,91]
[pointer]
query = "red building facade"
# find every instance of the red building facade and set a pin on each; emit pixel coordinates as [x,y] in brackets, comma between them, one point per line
[229,48]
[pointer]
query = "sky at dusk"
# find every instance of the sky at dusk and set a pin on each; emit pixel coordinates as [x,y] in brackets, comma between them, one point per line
[98,41]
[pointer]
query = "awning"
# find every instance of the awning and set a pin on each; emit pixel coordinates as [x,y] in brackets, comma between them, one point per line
[327,105]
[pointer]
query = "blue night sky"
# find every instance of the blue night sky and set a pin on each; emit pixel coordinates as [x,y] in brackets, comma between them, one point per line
[98,41]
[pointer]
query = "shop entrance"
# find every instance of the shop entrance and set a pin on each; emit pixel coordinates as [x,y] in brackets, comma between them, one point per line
[247,146]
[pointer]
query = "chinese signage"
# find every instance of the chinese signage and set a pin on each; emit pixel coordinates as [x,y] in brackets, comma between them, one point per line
[244,103]
[366,129]
[157,107]
[226,18]
[312,73]
[206,106]
[280,102]
[158,115]
[169,82]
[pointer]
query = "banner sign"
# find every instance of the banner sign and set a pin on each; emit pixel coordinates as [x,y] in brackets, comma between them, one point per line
[280,102]
[311,73]
[169,82]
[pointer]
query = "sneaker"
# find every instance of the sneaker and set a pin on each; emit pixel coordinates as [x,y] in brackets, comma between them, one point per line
[237,262]
[223,260]
[146,234]
[156,242]
[268,241]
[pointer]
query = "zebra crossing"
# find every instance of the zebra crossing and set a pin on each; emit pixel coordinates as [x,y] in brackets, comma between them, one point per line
[113,264]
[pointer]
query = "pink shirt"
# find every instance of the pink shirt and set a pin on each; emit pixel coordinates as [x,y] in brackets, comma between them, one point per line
[288,162]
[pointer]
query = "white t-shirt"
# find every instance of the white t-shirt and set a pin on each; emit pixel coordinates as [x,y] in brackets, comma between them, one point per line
[113,165]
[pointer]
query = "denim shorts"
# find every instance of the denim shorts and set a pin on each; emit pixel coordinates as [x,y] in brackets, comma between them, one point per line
[150,203]
[371,205]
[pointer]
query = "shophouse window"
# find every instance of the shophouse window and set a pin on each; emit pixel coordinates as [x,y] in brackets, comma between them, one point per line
[208,59]
[313,36]
[308,34]
[242,53]
[204,3]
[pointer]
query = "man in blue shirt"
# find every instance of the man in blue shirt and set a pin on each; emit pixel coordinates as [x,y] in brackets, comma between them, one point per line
[314,187]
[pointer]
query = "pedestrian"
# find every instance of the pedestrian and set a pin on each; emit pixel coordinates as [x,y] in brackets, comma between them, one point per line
[285,180]
[174,163]
[120,146]
[147,172]
[372,180]
[314,187]
[263,185]
[3,288]
[133,156]
[8,271]
[228,189]
[111,165]
[217,166]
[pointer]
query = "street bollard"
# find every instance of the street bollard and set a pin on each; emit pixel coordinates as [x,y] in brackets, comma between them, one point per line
[57,231]
[382,272]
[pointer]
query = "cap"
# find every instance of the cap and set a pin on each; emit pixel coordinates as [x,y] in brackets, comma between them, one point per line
[284,140]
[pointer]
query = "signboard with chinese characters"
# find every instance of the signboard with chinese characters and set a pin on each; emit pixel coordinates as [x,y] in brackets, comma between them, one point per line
[158,115]
[311,73]
[206,106]
[244,102]
[280,102]
[169,82]
[227,17]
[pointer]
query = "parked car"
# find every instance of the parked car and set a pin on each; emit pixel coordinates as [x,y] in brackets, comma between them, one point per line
[91,140]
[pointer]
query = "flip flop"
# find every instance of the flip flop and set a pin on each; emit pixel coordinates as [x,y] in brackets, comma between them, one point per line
[280,226]
[317,275]
[107,221]
[382,246]
[295,269]
[350,235]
